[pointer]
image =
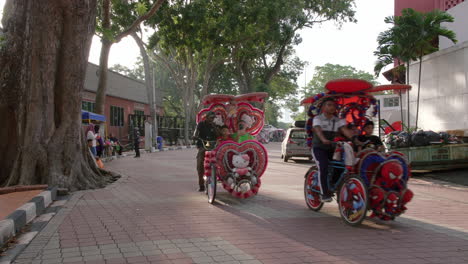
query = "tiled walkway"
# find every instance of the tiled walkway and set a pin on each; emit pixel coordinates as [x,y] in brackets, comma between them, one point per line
[154,215]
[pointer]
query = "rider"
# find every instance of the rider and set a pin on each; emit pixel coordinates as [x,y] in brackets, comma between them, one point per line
[225,135]
[369,139]
[205,131]
[325,128]
[242,135]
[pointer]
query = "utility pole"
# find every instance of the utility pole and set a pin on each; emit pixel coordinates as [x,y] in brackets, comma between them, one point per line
[155,117]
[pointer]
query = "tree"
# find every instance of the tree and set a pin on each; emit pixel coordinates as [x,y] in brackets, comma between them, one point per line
[266,32]
[411,37]
[428,27]
[116,20]
[43,59]
[328,72]
[323,74]
[137,72]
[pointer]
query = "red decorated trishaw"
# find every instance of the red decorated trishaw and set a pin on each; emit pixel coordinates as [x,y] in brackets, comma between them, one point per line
[238,166]
[375,181]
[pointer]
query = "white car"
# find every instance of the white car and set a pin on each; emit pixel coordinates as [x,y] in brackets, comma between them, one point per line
[295,144]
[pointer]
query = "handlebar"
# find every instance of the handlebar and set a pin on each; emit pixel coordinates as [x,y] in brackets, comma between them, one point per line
[208,144]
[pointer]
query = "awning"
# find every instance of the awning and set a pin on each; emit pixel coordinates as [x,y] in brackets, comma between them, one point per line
[85,115]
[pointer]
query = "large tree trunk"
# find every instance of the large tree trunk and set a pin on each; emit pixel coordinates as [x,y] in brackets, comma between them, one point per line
[102,83]
[43,64]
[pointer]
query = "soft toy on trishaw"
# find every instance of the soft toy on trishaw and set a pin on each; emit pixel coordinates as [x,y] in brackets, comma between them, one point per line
[237,165]
[364,181]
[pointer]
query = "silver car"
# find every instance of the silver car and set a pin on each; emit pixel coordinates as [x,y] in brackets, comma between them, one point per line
[295,144]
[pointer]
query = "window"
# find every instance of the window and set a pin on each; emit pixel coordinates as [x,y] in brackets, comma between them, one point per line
[298,134]
[391,102]
[139,112]
[88,106]
[116,116]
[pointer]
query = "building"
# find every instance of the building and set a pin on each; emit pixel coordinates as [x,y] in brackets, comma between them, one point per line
[444,79]
[425,5]
[125,98]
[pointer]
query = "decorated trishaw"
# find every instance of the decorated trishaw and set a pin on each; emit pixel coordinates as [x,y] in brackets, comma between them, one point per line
[238,166]
[373,181]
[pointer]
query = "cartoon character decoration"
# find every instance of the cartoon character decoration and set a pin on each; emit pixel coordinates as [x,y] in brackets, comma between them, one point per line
[357,199]
[376,198]
[391,205]
[388,194]
[249,120]
[391,173]
[241,165]
[218,120]
[353,199]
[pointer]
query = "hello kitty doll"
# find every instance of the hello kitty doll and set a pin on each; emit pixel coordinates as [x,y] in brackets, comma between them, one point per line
[218,120]
[248,120]
[241,165]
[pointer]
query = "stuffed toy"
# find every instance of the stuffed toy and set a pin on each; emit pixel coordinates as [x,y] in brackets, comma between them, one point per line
[391,204]
[376,197]
[241,165]
[391,175]
[248,120]
[218,120]
[406,196]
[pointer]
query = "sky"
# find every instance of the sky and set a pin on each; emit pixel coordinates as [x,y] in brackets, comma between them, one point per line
[351,45]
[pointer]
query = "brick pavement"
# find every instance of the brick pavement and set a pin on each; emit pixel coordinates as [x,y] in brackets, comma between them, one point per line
[153,215]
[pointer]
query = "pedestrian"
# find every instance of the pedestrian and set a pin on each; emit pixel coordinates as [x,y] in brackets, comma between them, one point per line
[205,132]
[99,141]
[117,147]
[136,141]
[91,139]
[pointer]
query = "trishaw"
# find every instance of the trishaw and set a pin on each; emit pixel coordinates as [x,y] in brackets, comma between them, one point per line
[238,166]
[374,181]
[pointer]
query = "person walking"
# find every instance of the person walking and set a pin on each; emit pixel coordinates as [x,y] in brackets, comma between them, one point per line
[136,141]
[91,138]
[205,131]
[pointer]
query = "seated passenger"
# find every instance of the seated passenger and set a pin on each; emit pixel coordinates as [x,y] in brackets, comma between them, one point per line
[242,135]
[368,140]
[225,135]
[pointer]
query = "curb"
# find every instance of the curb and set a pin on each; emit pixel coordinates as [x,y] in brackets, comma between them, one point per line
[22,216]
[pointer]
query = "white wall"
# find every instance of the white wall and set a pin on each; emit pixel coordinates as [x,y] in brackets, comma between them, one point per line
[459,26]
[444,91]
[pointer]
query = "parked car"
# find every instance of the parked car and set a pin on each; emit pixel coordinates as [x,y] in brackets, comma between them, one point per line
[295,144]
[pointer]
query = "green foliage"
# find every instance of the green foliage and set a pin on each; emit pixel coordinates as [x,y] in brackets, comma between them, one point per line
[137,72]
[329,72]
[254,39]
[411,36]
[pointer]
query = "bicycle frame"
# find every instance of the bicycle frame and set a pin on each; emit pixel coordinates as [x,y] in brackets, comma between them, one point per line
[335,165]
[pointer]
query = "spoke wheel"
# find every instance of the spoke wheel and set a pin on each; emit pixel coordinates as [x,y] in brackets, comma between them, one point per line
[353,200]
[312,190]
[211,184]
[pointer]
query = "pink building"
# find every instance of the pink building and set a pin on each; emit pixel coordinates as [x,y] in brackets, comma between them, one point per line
[425,5]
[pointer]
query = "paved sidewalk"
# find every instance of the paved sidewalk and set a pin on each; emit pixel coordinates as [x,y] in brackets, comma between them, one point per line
[153,215]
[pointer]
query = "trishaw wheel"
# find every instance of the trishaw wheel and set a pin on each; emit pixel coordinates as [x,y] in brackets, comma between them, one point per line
[353,200]
[311,191]
[211,190]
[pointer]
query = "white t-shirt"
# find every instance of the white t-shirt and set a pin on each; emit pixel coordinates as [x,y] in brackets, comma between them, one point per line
[91,136]
[331,125]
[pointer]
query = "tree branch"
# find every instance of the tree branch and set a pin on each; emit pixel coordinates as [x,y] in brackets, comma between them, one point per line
[138,21]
